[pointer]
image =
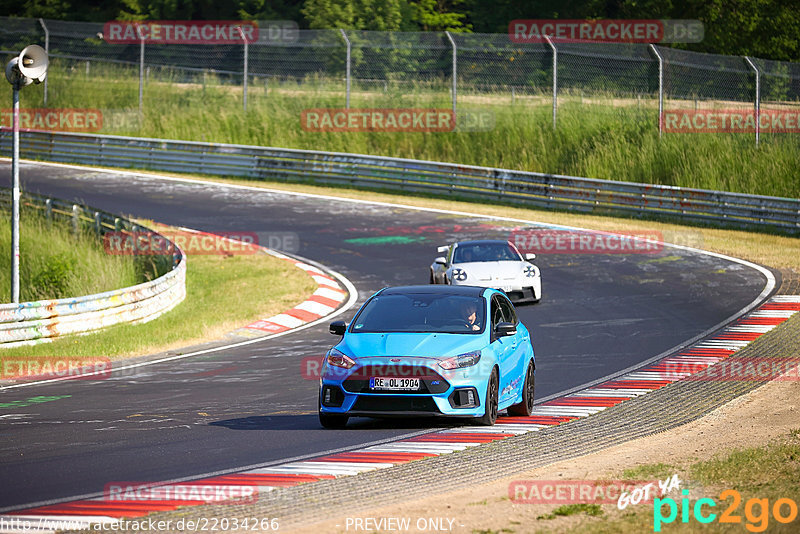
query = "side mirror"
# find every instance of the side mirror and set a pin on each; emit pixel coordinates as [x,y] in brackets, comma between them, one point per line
[530,256]
[443,249]
[337,328]
[505,329]
[440,260]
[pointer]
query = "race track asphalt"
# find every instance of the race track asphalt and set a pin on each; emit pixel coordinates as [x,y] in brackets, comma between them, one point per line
[251,405]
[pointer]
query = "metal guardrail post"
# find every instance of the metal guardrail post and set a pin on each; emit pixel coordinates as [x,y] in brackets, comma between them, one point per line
[555,78]
[48,209]
[758,97]
[46,49]
[660,89]
[455,71]
[347,69]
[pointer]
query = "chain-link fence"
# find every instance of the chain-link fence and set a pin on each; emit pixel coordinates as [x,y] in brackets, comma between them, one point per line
[425,68]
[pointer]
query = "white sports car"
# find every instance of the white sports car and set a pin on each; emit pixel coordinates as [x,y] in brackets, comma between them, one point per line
[489,263]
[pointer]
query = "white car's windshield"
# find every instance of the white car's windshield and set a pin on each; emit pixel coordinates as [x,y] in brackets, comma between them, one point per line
[485,252]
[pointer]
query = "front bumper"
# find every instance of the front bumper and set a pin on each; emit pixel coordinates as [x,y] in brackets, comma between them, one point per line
[456,393]
[515,291]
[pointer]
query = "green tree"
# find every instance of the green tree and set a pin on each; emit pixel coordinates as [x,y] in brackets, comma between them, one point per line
[439,15]
[379,15]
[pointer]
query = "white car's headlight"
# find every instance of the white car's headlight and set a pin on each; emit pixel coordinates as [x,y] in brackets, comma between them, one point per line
[530,271]
[459,274]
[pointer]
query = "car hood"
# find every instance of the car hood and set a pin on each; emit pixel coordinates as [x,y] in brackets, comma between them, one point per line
[364,345]
[491,270]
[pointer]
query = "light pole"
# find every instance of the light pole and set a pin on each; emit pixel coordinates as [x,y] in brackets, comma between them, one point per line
[30,66]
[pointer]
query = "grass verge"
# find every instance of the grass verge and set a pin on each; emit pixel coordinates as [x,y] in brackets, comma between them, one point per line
[222,293]
[55,263]
[603,137]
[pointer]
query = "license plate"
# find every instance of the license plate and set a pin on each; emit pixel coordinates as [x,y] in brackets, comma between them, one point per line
[393,384]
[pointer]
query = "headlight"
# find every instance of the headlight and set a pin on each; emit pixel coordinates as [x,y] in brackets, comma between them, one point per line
[459,274]
[468,359]
[531,271]
[338,359]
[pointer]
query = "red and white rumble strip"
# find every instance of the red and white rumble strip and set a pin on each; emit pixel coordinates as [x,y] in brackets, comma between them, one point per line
[701,355]
[325,300]
[329,296]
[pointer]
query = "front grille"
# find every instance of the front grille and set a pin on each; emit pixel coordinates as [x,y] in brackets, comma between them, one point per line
[430,381]
[394,404]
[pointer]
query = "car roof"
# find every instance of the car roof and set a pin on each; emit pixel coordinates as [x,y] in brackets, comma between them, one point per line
[467,291]
[483,242]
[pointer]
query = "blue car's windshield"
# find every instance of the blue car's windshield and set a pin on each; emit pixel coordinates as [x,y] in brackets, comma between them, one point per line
[485,252]
[423,313]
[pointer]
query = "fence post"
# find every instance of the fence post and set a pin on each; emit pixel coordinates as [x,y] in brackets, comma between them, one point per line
[660,89]
[46,49]
[555,77]
[347,70]
[455,71]
[758,97]
[141,67]
[76,221]
[244,78]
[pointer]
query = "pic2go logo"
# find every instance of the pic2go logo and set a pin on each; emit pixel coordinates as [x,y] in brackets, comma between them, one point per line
[756,511]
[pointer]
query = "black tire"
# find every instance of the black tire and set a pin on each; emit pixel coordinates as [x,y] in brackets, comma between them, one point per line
[524,408]
[330,420]
[432,280]
[490,406]
[333,421]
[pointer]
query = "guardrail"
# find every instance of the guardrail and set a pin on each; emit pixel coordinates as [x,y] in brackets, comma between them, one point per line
[40,321]
[549,191]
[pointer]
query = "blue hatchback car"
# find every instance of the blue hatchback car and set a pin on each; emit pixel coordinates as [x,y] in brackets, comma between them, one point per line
[456,351]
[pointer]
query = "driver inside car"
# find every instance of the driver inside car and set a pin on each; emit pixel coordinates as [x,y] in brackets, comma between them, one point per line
[471,317]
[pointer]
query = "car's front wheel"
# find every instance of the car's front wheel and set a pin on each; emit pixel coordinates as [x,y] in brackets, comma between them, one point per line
[525,408]
[490,406]
[331,420]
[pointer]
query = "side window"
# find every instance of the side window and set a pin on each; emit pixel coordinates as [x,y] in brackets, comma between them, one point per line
[497,312]
[450,255]
[508,310]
